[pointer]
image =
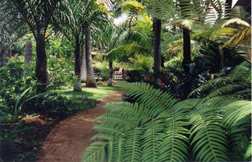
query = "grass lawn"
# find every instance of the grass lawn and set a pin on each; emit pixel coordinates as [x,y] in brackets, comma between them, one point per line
[88,97]
[94,93]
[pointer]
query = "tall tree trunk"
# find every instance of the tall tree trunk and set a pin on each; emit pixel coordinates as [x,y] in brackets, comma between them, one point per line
[1,46]
[77,65]
[28,55]
[90,82]
[124,75]
[1,55]
[9,52]
[157,47]
[162,61]
[110,81]
[41,62]
[83,65]
[186,51]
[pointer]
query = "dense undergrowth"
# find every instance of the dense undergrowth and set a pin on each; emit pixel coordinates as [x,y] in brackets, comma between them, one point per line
[27,117]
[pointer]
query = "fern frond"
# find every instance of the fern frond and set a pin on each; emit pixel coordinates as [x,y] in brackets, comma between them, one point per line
[242,93]
[248,153]
[118,121]
[100,136]
[237,119]
[224,90]
[118,149]
[174,147]
[151,139]
[208,139]
[96,152]
[239,138]
[137,111]
[235,111]
[158,128]
[133,145]
[209,85]
[107,129]
[147,95]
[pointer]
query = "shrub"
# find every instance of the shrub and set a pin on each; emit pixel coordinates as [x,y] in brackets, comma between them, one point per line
[61,73]
[14,83]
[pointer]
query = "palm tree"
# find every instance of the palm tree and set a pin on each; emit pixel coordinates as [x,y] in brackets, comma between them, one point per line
[69,20]
[97,17]
[12,27]
[90,80]
[157,9]
[160,10]
[75,19]
[186,42]
[157,46]
[111,37]
[38,15]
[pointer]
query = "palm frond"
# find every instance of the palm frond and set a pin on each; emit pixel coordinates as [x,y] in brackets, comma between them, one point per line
[162,9]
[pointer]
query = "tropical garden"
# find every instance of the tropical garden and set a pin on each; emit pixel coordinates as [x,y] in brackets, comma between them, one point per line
[185,67]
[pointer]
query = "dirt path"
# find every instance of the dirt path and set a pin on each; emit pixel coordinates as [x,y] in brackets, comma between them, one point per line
[68,140]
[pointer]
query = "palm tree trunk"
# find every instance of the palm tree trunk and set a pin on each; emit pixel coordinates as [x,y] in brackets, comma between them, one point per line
[162,61]
[110,81]
[90,82]
[1,55]
[124,75]
[83,66]
[1,46]
[157,47]
[186,51]
[28,55]
[9,52]
[41,62]
[77,65]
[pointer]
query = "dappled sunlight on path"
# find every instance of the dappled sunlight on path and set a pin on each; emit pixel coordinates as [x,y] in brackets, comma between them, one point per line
[67,141]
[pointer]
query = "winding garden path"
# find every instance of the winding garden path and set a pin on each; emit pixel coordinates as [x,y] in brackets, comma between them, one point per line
[68,140]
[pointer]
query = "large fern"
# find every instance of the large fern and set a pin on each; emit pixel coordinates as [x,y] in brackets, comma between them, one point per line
[237,83]
[158,128]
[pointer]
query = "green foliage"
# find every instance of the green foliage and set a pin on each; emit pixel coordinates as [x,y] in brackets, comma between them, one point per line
[61,72]
[158,128]
[236,83]
[14,83]
[132,45]
[36,14]
[103,67]
[19,91]
[143,63]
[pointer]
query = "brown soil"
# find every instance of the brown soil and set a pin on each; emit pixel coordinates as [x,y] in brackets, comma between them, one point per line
[68,140]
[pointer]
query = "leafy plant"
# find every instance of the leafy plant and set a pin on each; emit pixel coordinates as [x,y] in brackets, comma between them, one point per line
[234,82]
[14,84]
[159,128]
